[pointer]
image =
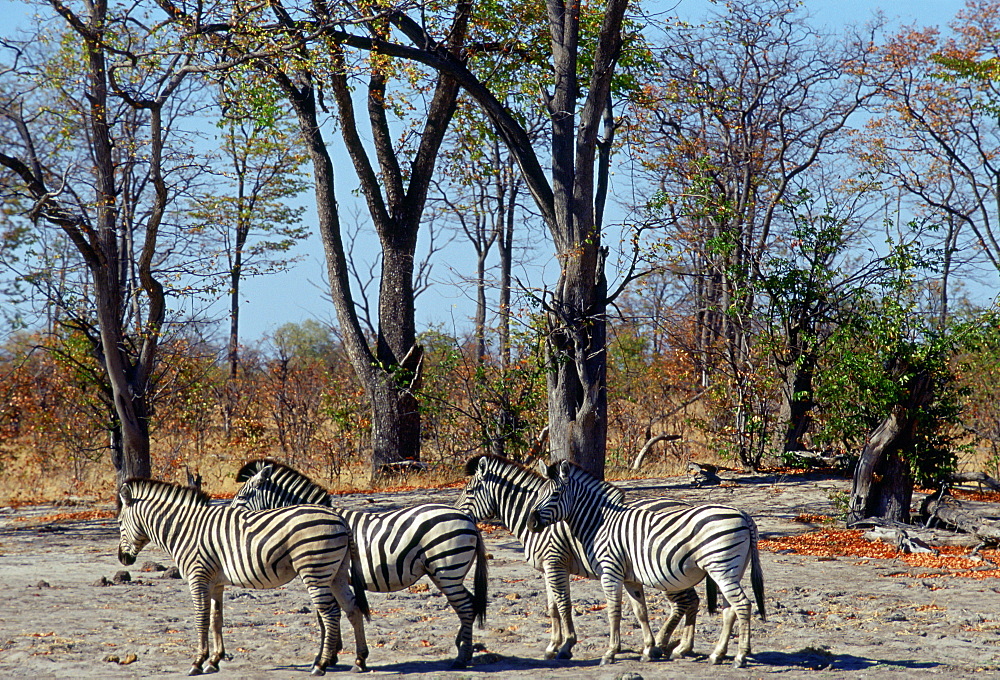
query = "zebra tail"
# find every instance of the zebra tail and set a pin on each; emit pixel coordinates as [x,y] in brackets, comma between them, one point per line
[757,577]
[357,580]
[711,595]
[480,596]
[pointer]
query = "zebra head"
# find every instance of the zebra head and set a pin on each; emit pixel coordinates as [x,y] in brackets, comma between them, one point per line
[476,500]
[270,484]
[253,494]
[132,536]
[555,499]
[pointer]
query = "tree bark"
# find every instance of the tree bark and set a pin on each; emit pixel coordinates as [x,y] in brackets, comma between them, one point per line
[950,511]
[883,482]
[797,404]
[391,372]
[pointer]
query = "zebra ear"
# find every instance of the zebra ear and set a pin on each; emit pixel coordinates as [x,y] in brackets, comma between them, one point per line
[265,471]
[125,494]
[564,469]
[543,469]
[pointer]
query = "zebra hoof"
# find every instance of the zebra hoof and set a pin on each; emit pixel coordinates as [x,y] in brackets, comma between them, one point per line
[195,670]
[316,670]
[356,668]
[564,655]
[739,663]
[654,654]
[607,661]
[212,668]
[715,660]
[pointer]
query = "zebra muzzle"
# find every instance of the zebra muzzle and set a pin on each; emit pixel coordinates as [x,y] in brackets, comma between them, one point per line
[125,558]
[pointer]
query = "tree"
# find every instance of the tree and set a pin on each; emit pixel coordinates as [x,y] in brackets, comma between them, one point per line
[86,139]
[936,137]
[252,223]
[889,374]
[807,281]
[745,113]
[390,371]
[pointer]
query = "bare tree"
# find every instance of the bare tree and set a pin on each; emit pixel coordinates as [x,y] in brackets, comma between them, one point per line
[87,152]
[747,108]
[394,192]
[246,214]
[937,134]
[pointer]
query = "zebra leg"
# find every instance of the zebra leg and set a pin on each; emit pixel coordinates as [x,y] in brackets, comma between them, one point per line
[215,619]
[460,600]
[561,614]
[683,604]
[743,611]
[199,595]
[329,630]
[637,596]
[739,606]
[613,594]
[345,599]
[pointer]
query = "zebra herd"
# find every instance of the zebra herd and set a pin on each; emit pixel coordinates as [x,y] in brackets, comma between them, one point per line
[281,524]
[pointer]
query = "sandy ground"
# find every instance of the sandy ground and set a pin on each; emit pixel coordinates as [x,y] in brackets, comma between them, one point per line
[826,617]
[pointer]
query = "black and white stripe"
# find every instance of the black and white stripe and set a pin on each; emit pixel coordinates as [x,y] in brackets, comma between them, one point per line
[396,548]
[502,489]
[215,546]
[668,552]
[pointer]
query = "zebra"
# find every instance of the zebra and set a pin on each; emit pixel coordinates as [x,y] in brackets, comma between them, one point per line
[628,545]
[215,546]
[396,547]
[506,490]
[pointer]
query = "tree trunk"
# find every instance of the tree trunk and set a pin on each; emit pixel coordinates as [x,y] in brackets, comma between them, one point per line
[395,425]
[794,418]
[577,378]
[883,482]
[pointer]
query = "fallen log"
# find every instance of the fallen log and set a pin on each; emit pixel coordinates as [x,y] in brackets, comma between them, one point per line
[891,531]
[648,446]
[980,478]
[899,538]
[946,509]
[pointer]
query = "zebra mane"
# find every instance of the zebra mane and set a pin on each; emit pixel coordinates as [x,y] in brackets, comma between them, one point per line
[473,464]
[609,491]
[142,487]
[254,466]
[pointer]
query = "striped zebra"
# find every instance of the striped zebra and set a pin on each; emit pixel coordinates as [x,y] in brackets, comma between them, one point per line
[215,546]
[505,490]
[629,545]
[397,547]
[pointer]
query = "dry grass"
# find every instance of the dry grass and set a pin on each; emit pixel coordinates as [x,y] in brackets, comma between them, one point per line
[24,480]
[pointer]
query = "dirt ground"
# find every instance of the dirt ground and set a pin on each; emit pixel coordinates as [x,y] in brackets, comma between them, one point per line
[840,617]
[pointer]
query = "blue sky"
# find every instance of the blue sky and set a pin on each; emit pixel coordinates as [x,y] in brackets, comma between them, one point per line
[270,301]
[299,294]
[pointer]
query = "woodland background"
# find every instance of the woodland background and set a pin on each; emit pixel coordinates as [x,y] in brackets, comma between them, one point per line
[799,239]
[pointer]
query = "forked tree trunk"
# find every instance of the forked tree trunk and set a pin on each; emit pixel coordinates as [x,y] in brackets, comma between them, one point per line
[883,480]
[883,484]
